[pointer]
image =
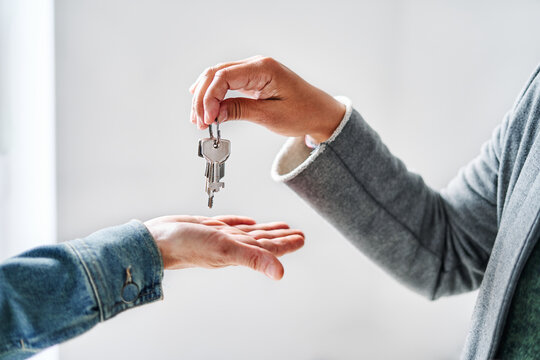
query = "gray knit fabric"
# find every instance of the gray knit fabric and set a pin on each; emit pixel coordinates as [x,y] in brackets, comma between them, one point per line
[476,233]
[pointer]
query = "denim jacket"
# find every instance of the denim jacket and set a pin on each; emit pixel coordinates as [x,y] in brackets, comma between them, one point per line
[478,232]
[53,293]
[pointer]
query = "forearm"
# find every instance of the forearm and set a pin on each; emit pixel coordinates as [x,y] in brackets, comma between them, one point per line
[386,211]
[53,293]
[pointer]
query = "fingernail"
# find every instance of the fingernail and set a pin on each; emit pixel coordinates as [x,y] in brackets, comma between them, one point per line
[222,114]
[272,271]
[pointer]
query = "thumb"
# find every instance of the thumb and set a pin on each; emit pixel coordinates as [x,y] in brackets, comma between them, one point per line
[242,109]
[258,259]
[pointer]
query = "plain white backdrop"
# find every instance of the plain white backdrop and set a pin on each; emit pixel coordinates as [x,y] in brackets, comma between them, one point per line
[433,77]
[27,129]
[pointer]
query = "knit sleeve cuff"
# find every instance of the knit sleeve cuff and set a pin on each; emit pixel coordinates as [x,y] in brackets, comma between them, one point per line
[295,155]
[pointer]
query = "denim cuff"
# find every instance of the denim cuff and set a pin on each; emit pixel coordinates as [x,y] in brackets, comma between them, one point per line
[123,265]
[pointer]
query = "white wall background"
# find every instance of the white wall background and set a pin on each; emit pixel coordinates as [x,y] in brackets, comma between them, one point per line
[27,129]
[433,77]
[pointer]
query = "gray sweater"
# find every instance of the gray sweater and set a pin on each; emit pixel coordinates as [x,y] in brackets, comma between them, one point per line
[476,233]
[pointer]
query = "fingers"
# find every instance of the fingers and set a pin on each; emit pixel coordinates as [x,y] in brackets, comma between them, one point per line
[240,109]
[282,245]
[219,67]
[234,220]
[231,220]
[249,77]
[273,234]
[199,89]
[257,259]
[266,226]
[278,245]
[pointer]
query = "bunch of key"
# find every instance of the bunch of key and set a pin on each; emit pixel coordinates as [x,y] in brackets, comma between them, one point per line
[215,151]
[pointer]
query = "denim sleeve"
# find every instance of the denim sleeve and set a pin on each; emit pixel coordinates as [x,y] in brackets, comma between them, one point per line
[53,293]
[436,243]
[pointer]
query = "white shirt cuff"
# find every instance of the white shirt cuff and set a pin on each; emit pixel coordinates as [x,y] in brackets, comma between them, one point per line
[295,155]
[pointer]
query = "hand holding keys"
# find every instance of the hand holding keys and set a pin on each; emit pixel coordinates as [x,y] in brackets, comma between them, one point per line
[215,151]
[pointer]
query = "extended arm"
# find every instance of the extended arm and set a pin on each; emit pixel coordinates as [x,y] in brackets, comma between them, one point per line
[53,293]
[436,243]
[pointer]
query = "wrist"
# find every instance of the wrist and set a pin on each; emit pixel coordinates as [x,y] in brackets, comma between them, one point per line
[330,121]
[162,247]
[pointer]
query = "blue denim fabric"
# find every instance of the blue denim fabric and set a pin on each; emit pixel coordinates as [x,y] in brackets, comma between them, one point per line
[53,293]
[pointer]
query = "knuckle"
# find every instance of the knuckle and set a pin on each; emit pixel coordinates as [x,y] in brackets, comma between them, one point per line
[267,61]
[209,72]
[273,248]
[235,110]
[206,98]
[222,73]
[254,260]
[256,233]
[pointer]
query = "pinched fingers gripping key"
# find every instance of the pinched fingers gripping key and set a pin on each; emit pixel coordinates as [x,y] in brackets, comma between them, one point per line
[215,151]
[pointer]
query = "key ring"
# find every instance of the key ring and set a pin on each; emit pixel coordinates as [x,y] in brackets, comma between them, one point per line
[216,142]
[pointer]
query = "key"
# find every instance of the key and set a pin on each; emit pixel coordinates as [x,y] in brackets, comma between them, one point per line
[215,151]
[215,155]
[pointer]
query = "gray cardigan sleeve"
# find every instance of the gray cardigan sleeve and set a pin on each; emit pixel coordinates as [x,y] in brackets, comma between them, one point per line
[436,243]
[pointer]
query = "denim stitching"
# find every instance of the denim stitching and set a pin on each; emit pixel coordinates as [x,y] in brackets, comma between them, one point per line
[152,250]
[99,274]
[91,280]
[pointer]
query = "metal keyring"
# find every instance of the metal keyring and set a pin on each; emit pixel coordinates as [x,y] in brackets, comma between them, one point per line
[216,141]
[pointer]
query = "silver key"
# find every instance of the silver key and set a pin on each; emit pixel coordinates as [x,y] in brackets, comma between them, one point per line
[215,151]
